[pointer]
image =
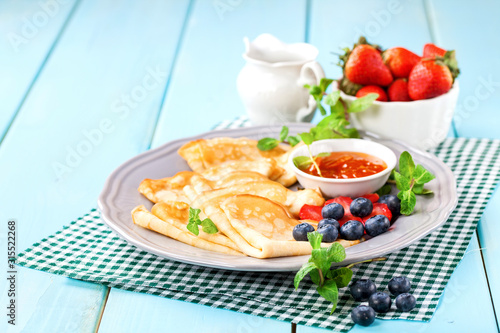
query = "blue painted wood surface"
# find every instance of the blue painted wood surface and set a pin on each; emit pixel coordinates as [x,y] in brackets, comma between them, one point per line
[78,76]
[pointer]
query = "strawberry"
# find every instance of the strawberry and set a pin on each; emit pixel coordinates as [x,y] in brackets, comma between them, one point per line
[379,209]
[429,78]
[431,51]
[382,96]
[373,197]
[364,65]
[310,212]
[400,61]
[398,91]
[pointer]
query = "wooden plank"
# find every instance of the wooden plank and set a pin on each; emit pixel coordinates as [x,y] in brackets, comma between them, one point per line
[202,92]
[94,106]
[472,31]
[29,30]
[133,312]
[464,307]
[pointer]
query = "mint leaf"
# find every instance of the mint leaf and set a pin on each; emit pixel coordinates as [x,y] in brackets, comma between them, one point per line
[294,140]
[335,253]
[307,138]
[333,98]
[301,274]
[315,239]
[193,227]
[315,90]
[194,214]
[419,189]
[315,277]
[283,133]
[408,201]
[406,165]
[329,292]
[322,133]
[302,162]
[422,176]
[208,226]
[266,144]
[342,276]
[338,109]
[320,258]
[324,83]
[402,183]
[386,189]
[363,103]
[323,154]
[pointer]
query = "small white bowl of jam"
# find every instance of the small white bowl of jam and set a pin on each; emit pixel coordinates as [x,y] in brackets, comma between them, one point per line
[348,167]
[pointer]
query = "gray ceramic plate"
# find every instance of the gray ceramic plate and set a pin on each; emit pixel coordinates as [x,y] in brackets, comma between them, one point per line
[119,196]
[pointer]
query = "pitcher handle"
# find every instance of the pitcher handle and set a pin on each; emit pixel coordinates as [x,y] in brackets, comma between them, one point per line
[310,73]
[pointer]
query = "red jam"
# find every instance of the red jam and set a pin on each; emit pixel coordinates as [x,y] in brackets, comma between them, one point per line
[346,165]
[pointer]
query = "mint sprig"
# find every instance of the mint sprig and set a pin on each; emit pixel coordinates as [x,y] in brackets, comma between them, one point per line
[207,225]
[319,268]
[334,126]
[410,180]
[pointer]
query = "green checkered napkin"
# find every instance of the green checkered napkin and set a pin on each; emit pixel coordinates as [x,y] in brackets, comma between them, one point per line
[88,250]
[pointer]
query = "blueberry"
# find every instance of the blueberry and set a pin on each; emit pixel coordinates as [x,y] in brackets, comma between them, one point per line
[352,230]
[405,302]
[377,225]
[393,203]
[326,221]
[300,231]
[333,211]
[330,233]
[399,285]
[363,315]
[380,302]
[362,289]
[361,207]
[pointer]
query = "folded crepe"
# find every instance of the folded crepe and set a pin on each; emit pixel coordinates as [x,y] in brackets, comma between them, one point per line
[249,224]
[171,219]
[193,189]
[206,154]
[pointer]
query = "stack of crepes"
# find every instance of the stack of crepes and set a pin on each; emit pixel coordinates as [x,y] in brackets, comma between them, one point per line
[241,189]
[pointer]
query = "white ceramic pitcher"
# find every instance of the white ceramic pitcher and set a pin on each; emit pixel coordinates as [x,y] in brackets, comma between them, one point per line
[271,84]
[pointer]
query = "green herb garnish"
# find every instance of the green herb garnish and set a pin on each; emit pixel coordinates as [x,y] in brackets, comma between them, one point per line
[410,180]
[319,268]
[194,221]
[334,126]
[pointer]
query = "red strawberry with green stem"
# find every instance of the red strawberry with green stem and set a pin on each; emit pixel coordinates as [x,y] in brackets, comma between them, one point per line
[364,65]
[432,77]
[400,61]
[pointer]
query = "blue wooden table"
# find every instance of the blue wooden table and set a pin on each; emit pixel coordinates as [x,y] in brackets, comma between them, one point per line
[85,85]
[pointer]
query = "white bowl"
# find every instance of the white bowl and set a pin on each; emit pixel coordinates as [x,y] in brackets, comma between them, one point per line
[423,124]
[353,187]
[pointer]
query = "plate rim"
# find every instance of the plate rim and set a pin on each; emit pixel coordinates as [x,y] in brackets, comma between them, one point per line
[110,191]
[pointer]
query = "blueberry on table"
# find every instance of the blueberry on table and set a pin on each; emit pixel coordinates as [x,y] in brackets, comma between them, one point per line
[393,203]
[361,207]
[352,230]
[300,231]
[399,285]
[405,302]
[380,302]
[330,233]
[362,289]
[326,221]
[363,315]
[333,211]
[377,225]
